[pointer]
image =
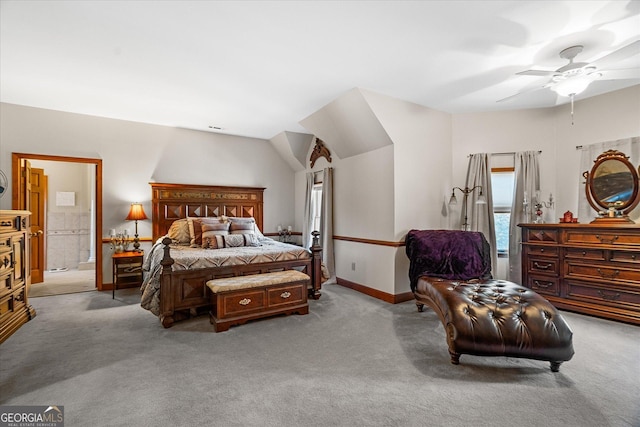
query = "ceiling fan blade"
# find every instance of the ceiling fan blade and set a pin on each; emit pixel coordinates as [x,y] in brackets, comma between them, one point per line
[533,89]
[626,74]
[618,55]
[536,73]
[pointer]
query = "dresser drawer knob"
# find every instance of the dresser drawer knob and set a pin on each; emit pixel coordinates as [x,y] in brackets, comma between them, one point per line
[542,266]
[609,275]
[609,297]
[245,301]
[285,295]
[541,250]
[584,253]
[6,224]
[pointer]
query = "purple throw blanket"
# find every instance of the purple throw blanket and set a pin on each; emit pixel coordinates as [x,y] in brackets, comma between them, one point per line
[448,254]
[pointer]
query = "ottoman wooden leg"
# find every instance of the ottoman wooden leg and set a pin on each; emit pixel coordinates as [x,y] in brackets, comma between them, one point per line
[455,358]
[555,366]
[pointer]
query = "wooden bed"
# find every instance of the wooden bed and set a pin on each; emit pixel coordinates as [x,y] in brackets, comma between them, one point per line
[183,292]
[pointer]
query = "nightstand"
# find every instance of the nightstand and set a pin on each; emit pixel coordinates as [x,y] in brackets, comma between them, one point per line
[127,269]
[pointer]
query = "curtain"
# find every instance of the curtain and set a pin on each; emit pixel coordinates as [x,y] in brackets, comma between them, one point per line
[526,186]
[589,153]
[326,222]
[308,214]
[480,215]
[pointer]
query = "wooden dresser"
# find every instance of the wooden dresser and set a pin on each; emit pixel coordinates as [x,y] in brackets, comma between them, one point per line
[15,310]
[587,268]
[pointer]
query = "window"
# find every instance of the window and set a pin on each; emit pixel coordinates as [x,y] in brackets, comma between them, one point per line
[316,206]
[502,180]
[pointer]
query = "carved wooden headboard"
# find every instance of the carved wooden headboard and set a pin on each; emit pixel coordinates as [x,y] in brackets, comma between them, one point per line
[174,201]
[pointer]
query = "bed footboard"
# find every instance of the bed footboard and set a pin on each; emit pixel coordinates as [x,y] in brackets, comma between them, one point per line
[183,293]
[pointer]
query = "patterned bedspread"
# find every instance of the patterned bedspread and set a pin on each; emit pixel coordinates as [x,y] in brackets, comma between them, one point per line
[187,258]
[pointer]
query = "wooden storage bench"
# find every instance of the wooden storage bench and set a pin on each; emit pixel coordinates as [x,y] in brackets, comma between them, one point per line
[236,300]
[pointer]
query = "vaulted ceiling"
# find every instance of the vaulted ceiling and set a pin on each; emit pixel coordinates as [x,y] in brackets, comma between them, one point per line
[261,68]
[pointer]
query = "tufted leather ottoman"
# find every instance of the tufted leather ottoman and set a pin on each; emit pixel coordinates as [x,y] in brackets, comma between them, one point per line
[496,318]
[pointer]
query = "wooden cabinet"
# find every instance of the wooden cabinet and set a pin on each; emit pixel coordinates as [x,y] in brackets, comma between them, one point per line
[15,310]
[127,270]
[587,268]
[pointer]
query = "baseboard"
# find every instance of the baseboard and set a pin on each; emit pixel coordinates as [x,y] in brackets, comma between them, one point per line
[384,296]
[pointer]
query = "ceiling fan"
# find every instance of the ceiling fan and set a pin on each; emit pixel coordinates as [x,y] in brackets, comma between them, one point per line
[574,77]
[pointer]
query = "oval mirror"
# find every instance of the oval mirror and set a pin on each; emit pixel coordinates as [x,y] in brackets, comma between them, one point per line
[612,185]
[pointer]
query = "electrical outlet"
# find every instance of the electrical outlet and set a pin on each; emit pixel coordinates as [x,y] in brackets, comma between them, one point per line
[353,266]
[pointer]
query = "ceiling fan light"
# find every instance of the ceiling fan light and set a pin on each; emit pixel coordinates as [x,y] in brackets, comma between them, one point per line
[573,86]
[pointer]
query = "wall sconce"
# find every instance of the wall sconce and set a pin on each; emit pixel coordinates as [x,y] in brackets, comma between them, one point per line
[465,194]
[136,213]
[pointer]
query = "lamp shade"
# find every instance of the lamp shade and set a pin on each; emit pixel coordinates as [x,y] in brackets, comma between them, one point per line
[136,212]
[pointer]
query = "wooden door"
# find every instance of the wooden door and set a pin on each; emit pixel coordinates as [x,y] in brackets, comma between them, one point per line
[38,186]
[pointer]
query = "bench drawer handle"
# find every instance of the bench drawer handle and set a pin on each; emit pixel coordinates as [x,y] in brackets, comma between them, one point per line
[285,295]
[245,301]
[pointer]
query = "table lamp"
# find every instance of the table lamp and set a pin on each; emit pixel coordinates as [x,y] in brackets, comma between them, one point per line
[136,213]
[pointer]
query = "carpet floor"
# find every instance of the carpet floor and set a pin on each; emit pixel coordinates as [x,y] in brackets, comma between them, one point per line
[352,361]
[64,282]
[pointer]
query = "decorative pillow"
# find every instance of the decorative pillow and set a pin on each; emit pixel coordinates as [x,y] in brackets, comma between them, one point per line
[211,231]
[242,225]
[238,240]
[195,229]
[179,232]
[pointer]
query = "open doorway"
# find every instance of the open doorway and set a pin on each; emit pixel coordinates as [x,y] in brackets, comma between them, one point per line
[65,243]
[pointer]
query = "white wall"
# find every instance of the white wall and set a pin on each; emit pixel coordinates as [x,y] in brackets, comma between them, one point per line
[133,154]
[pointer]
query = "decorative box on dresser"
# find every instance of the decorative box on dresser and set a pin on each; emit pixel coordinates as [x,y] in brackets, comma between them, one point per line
[15,310]
[587,268]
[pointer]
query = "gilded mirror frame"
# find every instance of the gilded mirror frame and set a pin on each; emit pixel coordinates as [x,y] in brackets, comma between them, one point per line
[612,187]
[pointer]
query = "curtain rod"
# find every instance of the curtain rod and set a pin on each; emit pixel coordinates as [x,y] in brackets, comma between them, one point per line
[508,153]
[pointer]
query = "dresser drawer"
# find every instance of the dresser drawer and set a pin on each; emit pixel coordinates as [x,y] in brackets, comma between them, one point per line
[242,302]
[543,265]
[627,257]
[543,285]
[8,224]
[550,251]
[586,254]
[603,295]
[608,273]
[292,294]
[604,238]
[548,236]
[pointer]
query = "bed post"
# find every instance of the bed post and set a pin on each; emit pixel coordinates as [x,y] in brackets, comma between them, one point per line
[316,266]
[166,296]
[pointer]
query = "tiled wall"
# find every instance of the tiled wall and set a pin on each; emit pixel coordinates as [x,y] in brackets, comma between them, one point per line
[68,239]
